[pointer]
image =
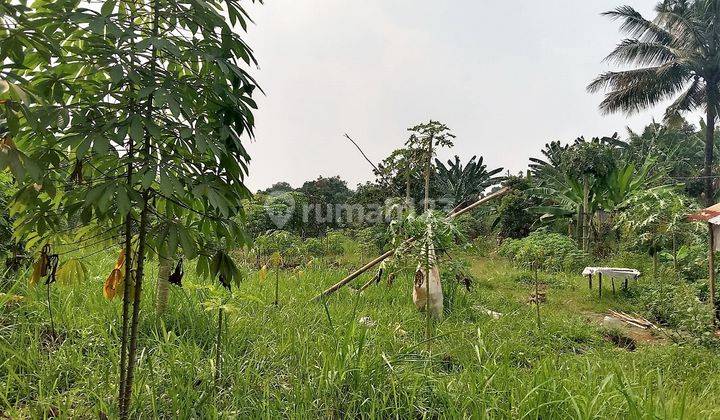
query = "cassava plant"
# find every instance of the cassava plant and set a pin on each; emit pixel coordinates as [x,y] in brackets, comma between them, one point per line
[223,268]
[148,137]
[276,262]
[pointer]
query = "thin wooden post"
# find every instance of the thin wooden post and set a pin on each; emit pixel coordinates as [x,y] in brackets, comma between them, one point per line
[600,285]
[590,281]
[711,271]
[612,279]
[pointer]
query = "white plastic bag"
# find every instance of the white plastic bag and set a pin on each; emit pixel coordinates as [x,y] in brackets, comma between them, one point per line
[420,289]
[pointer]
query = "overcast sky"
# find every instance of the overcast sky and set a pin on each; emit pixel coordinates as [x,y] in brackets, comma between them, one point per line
[506,76]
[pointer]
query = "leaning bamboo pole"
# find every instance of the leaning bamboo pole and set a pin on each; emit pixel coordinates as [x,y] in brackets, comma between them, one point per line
[334,288]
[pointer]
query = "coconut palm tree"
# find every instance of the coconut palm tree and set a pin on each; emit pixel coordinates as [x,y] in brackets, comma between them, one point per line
[675,56]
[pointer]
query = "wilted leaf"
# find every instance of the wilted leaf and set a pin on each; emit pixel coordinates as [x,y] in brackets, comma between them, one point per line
[73,271]
[114,283]
[35,276]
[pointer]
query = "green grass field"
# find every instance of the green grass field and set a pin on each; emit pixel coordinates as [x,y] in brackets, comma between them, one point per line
[299,360]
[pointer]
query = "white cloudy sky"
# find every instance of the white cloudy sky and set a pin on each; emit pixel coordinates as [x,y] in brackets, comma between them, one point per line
[506,76]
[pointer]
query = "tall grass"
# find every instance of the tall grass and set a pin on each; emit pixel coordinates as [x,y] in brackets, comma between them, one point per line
[300,360]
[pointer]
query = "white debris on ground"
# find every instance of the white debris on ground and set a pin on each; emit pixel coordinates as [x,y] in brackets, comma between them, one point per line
[488,312]
[367,321]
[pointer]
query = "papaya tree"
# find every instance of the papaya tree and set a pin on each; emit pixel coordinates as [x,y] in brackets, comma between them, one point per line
[425,139]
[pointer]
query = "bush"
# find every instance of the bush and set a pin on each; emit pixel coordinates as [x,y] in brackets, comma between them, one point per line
[471,227]
[289,246]
[677,305]
[374,239]
[329,246]
[546,251]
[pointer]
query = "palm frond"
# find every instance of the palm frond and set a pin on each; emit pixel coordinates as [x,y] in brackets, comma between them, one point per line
[635,25]
[632,90]
[634,51]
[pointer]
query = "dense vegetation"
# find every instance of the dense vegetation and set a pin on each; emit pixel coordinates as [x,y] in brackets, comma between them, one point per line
[122,158]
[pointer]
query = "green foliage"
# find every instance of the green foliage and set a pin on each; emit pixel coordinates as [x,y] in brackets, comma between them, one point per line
[7,242]
[514,216]
[289,246]
[471,225]
[677,148]
[430,230]
[279,210]
[546,251]
[126,97]
[677,305]
[374,239]
[331,245]
[461,185]
[592,158]
[655,219]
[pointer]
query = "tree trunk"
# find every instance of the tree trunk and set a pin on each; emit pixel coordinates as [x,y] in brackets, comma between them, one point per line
[711,272]
[585,214]
[428,319]
[142,235]
[428,164]
[578,226]
[537,298]
[126,290]
[709,146]
[709,184]
[132,350]
[407,187]
[163,285]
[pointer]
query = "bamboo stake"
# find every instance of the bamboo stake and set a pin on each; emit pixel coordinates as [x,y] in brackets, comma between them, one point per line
[334,288]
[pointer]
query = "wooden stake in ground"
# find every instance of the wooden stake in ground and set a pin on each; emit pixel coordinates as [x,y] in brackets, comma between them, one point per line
[334,288]
[537,298]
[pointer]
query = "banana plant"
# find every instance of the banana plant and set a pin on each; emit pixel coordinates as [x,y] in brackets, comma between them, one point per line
[462,184]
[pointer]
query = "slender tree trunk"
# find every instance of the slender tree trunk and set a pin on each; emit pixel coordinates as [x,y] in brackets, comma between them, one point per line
[579,225]
[428,164]
[709,183]
[407,187]
[142,236]
[586,216]
[428,317]
[163,285]
[126,290]
[122,406]
[132,350]
[537,298]
[711,273]
[710,145]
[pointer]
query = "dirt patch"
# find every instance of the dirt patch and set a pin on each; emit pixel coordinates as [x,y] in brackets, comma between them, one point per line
[50,340]
[639,335]
[620,340]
